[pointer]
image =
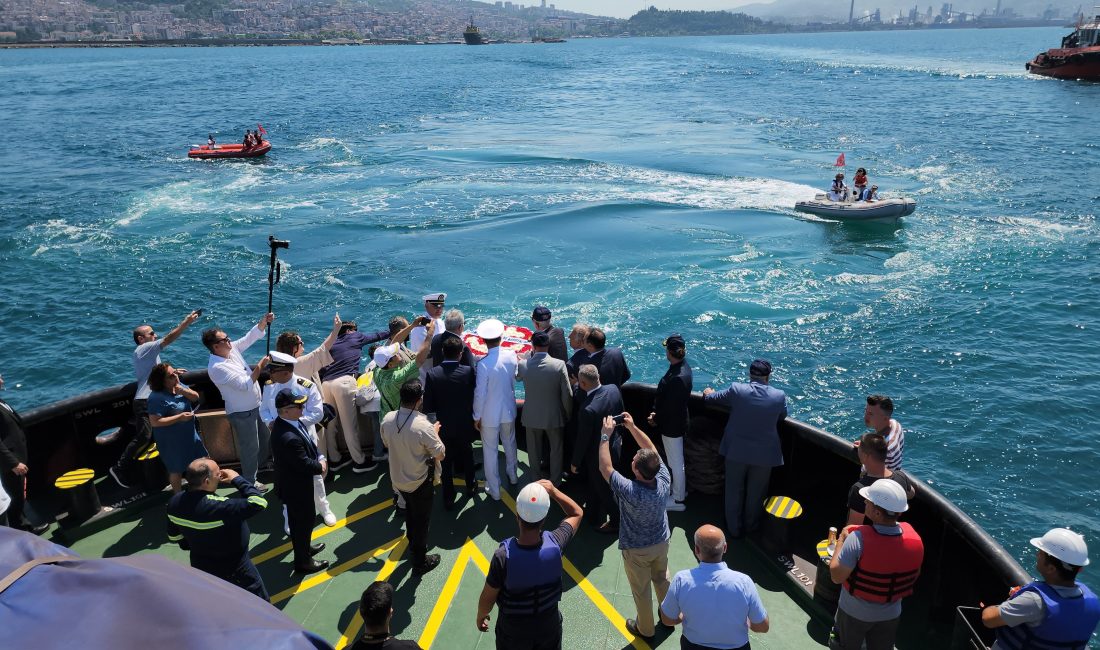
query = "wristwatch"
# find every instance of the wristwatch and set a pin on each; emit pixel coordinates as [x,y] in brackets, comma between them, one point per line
[603,437]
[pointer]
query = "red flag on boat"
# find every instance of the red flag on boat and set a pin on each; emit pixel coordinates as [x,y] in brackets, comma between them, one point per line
[264,131]
[839,159]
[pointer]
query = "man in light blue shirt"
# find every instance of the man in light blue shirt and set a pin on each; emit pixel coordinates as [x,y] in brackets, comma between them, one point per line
[717,605]
[750,444]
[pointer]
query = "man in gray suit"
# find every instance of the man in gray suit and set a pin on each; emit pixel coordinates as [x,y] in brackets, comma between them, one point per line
[750,444]
[548,403]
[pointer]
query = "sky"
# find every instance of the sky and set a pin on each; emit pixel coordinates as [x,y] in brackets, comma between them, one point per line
[627,8]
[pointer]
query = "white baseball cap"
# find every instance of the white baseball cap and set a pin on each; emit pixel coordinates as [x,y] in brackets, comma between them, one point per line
[490,329]
[886,494]
[533,503]
[1065,545]
[383,355]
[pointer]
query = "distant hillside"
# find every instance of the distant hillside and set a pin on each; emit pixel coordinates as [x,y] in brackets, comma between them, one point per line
[655,22]
[802,11]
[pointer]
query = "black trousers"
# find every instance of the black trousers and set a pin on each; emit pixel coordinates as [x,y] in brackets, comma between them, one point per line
[539,632]
[300,513]
[239,571]
[418,513]
[143,435]
[688,645]
[14,486]
[600,501]
[460,456]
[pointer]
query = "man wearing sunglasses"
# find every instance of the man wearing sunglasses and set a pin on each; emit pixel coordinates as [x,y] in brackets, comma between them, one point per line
[241,392]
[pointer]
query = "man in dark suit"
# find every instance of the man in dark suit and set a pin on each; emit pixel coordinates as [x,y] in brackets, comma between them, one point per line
[297,461]
[610,361]
[455,324]
[449,393]
[599,401]
[577,335]
[548,405]
[13,467]
[540,318]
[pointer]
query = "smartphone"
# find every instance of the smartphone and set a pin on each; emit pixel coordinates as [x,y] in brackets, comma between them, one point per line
[198,312]
[618,419]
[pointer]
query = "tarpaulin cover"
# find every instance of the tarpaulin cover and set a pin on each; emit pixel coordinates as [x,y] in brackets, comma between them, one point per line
[141,601]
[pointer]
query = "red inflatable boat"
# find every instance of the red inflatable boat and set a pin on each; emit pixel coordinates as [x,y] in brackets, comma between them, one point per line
[229,151]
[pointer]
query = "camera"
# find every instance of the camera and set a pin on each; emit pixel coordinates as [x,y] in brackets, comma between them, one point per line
[422,321]
[618,419]
[277,243]
[198,312]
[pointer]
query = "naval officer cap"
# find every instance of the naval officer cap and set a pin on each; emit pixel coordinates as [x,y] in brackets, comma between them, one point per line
[541,314]
[490,329]
[435,298]
[281,361]
[675,342]
[286,397]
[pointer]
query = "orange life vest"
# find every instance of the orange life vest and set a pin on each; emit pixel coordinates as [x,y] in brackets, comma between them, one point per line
[888,567]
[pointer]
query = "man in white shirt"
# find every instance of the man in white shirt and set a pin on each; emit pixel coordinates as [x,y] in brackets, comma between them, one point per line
[283,375]
[146,356]
[241,392]
[495,405]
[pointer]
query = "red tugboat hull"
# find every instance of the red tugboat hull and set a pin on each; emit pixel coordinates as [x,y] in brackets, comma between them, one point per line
[229,151]
[1068,63]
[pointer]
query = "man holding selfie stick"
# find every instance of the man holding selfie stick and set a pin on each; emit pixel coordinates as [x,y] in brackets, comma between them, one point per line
[643,523]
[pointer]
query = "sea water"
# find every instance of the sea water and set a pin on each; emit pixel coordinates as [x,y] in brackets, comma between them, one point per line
[642,185]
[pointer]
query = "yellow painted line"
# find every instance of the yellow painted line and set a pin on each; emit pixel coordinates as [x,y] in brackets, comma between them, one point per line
[74,478]
[469,552]
[783,507]
[601,603]
[388,568]
[325,576]
[321,531]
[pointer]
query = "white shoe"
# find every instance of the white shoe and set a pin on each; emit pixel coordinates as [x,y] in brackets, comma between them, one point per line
[379,459]
[675,506]
[496,497]
[329,518]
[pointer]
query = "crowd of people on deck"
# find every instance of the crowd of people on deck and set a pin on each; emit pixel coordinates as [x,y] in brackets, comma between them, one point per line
[860,191]
[426,395]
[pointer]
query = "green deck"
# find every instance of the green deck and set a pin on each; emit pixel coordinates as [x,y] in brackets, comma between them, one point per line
[439,609]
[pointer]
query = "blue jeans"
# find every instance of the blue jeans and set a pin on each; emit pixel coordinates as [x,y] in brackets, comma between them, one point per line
[746,486]
[253,441]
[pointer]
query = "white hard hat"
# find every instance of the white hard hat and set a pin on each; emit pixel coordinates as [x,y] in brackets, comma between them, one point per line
[1065,545]
[886,494]
[533,503]
[490,329]
[383,355]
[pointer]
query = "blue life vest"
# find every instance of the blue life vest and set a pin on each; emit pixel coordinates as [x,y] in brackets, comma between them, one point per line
[1068,624]
[532,579]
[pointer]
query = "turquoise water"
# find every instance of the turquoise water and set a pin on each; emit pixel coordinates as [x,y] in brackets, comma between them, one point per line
[644,185]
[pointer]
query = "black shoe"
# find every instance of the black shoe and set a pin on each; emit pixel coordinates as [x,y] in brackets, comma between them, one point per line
[400,511]
[430,562]
[314,549]
[632,627]
[184,545]
[34,530]
[115,475]
[312,567]
[363,468]
[340,464]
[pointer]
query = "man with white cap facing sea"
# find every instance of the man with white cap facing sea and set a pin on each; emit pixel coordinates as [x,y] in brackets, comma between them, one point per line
[878,566]
[1055,611]
[495,405]
[433,313]
[524,577]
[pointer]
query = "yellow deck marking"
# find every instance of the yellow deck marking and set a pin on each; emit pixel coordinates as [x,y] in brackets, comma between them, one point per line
[392,561]
[325,576]
[469,552]
[783,507]
[601,603]
[325,530]
[74,478]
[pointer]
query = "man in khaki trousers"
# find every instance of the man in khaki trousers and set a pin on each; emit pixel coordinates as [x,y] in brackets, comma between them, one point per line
[643,524]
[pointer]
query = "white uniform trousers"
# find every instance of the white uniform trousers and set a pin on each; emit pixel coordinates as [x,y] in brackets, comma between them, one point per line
[504,433]
[674,449]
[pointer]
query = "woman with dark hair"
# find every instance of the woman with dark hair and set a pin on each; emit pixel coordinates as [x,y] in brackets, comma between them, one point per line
[173,418]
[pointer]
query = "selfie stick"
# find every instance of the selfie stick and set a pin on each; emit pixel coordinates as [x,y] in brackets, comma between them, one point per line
[274,274]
